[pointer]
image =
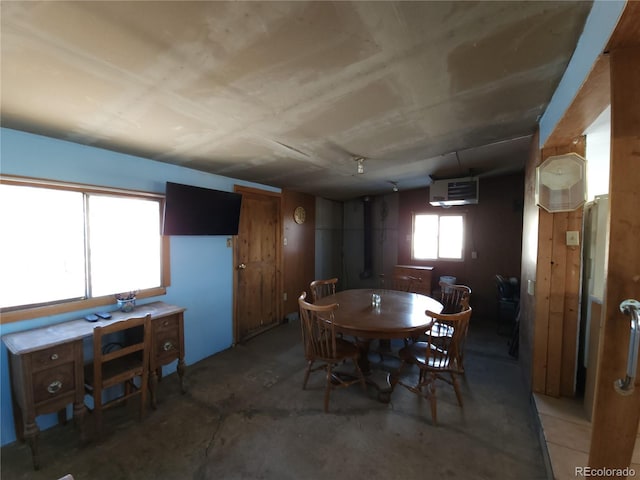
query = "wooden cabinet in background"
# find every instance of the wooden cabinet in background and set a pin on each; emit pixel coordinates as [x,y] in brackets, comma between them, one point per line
[423,273]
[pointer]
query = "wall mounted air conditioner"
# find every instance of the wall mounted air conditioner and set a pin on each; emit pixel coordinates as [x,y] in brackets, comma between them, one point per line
[455,191]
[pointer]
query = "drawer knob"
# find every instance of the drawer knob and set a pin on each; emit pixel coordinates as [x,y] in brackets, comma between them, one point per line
[54,356]
[54,387]
[167,346]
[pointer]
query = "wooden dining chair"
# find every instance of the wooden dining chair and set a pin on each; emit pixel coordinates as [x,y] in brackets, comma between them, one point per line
[120,355]
[437,358]
[322,288]
[323,346]
[454,298]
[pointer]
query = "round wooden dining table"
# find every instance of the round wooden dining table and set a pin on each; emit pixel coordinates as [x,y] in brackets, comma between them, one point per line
[398,315]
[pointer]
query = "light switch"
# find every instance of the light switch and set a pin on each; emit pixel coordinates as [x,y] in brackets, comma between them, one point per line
[573,238]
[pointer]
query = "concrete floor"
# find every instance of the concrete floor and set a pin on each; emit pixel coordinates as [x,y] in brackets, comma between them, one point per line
[245,416]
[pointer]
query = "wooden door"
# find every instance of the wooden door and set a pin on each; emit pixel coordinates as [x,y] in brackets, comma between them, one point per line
[257,263]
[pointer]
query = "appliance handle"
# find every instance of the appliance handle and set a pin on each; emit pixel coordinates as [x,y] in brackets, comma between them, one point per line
[625,386]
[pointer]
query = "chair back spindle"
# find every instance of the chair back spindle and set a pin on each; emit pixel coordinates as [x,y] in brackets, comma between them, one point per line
[121,365]
[322,345]
[454,298]
[438,355]
[318,331]
[322,288]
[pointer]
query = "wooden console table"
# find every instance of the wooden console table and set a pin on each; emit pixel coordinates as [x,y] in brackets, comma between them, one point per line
[46,365]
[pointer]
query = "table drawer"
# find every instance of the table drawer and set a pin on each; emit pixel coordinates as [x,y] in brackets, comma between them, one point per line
[167,324]
[53,382]
[167,344]
[166,339]
[52,356]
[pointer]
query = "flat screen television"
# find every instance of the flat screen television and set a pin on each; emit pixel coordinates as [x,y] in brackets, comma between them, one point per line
[190,210]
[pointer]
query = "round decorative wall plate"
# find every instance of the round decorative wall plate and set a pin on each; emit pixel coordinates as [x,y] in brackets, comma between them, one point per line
[299,215]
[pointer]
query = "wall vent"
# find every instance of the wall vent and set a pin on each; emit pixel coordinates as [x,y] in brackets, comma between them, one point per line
[455,191]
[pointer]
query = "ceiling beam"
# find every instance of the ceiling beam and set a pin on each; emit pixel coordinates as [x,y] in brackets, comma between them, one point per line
[602,20]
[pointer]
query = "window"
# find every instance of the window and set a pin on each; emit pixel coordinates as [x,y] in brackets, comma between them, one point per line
[124,244]
[64,243]
[437,237]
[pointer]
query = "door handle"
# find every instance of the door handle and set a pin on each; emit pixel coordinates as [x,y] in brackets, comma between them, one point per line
[242,266]
[625,386]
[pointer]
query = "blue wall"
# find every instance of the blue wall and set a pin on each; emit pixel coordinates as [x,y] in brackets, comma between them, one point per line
[201,267]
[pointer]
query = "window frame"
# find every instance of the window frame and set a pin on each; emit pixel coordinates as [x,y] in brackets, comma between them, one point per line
[14,314]
[439,259]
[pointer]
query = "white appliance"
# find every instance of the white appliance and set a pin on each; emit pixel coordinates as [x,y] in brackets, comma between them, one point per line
[594,264]
[455,191]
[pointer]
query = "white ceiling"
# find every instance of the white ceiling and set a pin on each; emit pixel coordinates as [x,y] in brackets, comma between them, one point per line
[288,93]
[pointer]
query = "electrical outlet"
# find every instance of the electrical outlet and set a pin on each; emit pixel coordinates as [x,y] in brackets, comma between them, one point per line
[284,296]
[474,255]
[229,242]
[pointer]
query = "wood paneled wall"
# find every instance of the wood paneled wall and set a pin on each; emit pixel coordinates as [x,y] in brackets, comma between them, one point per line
[493,230]
[298,255]
[615,77]
[557,295]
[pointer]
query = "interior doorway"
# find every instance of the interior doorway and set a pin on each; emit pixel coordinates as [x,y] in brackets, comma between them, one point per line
[257,260]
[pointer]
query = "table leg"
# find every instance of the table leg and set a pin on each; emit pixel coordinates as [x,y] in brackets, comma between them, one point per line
[153,384]
[26,431]
[62,416]
[364,345]
[79,411]
[17,419]
[31,434]
[180,370]
[379,379]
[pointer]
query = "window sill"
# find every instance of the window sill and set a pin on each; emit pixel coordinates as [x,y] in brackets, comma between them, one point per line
[48,310]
